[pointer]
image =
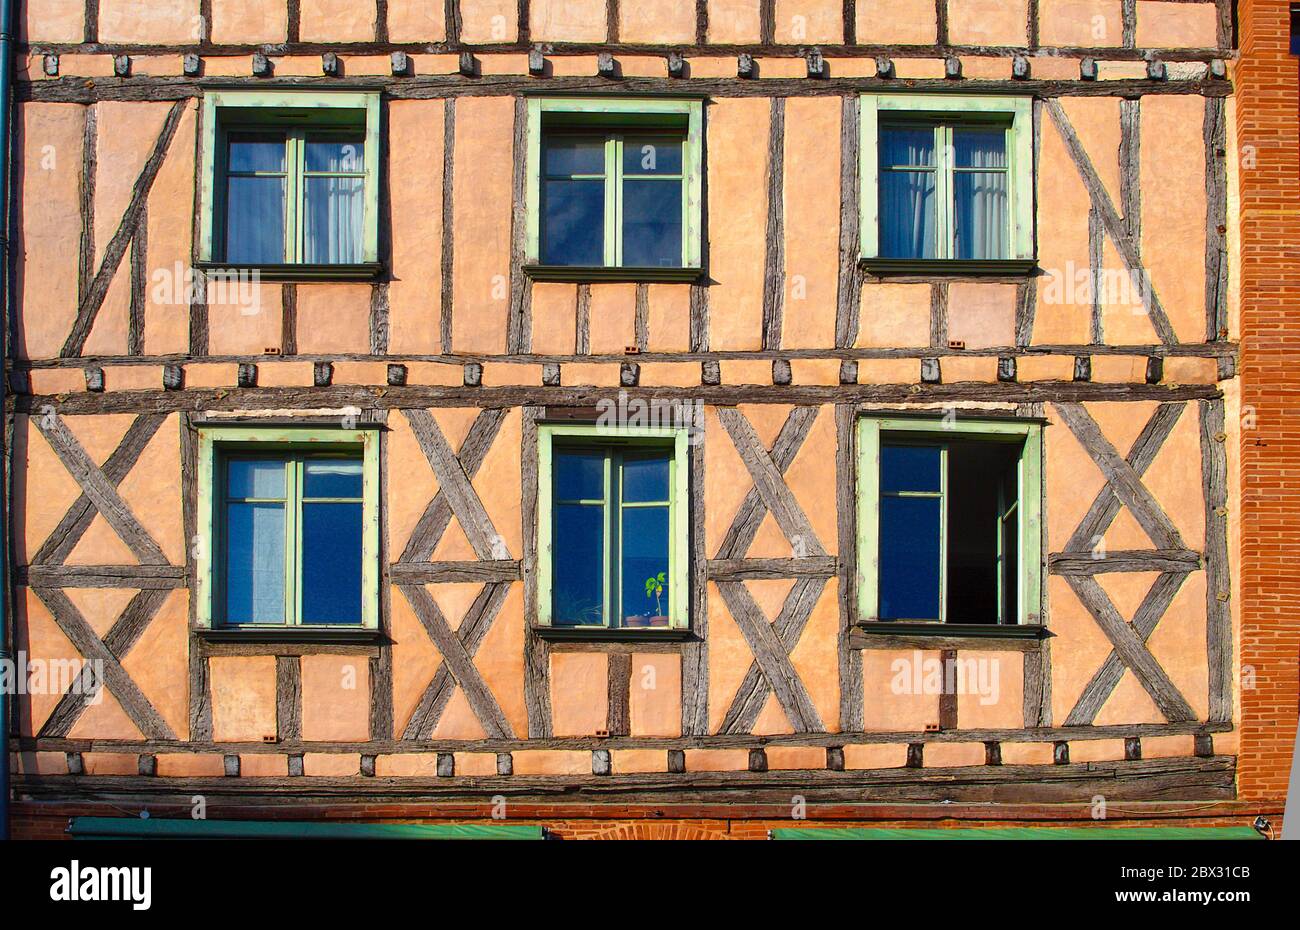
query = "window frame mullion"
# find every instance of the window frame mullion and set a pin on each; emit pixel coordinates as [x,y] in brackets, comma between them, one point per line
[612,519]
[944,192]
[613,254]
[295,163]
[292,549]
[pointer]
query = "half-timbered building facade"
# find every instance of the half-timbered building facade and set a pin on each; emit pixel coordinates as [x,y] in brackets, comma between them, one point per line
[656,418]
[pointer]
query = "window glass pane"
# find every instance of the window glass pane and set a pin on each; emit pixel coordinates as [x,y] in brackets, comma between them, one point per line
[980,148]
[332,220]
[260,478]
[339,154]
[981,214]
[907,147]
[255,152]
[332,478]
[254,563]
[645,556]
[578,565]
[573,219]
[331,563]
[569,156]
[909,558]
[907,214]
[652,155]
[255,220]
[652,224]
[909,468]
[578,475]
[645,477]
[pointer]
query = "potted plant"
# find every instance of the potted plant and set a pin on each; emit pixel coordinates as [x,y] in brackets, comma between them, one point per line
[654,588]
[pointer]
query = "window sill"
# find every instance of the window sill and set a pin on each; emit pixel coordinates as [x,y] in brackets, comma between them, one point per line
[584,274]
[364,271]
[290,634]
[873,634]
[554,634]
[991,268]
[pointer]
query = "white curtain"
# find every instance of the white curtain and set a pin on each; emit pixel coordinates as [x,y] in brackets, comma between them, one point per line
[980,195]
[334,210]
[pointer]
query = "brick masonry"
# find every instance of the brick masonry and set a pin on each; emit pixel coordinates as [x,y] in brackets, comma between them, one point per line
[1268,132]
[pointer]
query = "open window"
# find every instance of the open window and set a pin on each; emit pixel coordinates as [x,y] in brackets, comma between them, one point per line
[612,529]
[614,189]
[288,528]
[291,183]
[946,179]
[949,521]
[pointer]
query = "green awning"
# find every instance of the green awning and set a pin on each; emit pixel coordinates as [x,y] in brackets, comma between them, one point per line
[103,828]
[1018,833]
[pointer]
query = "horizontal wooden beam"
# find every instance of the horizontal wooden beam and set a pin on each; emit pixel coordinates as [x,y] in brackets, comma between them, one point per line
[699,49]
[1177,350]
[425,396]
[1124,560]
[716,741]
[102,576]
[443,572]
[749,569]
[81,90]
[1210,778]
[858,639]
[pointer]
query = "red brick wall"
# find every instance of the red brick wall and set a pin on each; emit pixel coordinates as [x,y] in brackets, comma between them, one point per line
[1268,130]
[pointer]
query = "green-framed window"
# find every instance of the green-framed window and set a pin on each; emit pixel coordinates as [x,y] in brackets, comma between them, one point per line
[612,528]
[614,187]
[288,528]
[291,180]
[949,520]
[946,178]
